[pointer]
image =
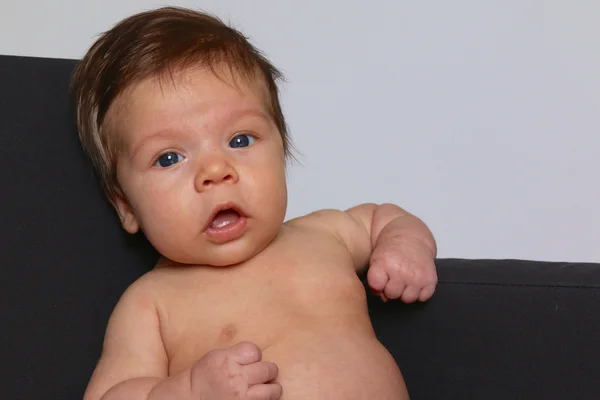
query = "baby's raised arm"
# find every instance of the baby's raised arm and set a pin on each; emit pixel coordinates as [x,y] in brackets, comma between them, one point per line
[397,246]
[401,265]
[134,363]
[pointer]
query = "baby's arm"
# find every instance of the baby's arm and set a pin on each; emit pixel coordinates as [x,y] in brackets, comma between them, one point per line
[398,247]
[133,358]
[404,250]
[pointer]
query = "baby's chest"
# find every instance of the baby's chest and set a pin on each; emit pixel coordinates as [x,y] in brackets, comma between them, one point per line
[264,306]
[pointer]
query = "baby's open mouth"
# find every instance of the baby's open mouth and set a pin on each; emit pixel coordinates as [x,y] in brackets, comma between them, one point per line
[228,222]
[224,218]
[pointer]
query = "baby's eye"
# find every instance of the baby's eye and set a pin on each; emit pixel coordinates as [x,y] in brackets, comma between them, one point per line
[242,140]
[168,159]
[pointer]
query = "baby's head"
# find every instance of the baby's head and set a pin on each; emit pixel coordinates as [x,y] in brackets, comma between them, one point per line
[181,118]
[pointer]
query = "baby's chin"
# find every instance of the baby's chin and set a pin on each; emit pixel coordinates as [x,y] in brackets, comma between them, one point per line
[203,252]
[221,256]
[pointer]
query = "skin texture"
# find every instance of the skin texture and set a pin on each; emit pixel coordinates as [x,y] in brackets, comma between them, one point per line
[273,311]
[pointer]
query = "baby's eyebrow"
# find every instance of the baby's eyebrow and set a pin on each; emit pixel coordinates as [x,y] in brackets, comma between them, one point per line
[161,134]
[245,112]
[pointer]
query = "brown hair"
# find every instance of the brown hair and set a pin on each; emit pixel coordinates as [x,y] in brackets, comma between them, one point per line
[152,44]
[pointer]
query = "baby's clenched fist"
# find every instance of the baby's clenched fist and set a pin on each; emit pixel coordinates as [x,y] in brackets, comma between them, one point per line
[402,268]
[235,373]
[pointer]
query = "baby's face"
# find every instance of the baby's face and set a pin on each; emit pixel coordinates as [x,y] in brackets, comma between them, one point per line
[202,168]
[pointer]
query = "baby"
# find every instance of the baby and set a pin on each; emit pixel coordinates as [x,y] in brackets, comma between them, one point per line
[181,118]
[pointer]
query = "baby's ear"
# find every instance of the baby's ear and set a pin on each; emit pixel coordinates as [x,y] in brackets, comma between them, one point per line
[128,219]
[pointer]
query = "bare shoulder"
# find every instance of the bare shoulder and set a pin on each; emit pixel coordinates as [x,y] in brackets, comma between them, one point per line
[145,288]
[133,345]
[345,226]
[325,219]
[333,221]
[140,298]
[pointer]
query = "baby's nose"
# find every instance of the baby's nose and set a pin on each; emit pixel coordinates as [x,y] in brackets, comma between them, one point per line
[215,172]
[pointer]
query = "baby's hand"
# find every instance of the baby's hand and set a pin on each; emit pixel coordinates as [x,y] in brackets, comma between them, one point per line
[402,268]
[234,373]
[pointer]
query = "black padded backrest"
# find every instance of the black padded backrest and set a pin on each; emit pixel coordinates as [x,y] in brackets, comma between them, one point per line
[499,329]
[64,260]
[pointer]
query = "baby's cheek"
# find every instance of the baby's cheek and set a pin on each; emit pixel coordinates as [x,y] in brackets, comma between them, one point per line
[163,225]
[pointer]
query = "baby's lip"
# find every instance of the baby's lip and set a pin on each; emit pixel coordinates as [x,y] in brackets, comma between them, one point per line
[221,207]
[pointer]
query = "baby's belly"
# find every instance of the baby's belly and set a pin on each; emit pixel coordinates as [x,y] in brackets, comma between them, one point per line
[335,364]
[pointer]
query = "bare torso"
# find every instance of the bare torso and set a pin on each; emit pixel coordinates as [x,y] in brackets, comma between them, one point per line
[300,301]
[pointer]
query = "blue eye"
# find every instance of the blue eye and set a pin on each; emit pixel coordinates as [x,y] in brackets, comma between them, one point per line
[241,141]
[168,159]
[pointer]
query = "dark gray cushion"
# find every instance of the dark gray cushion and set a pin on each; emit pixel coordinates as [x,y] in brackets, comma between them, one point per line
[64,260]
[499,329]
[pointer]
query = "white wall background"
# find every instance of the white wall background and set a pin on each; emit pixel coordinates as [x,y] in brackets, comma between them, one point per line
[480,116]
